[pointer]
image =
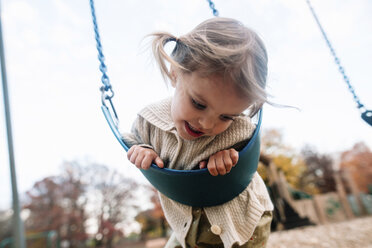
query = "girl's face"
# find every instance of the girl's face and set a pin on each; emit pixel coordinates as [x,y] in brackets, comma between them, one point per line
[204,106]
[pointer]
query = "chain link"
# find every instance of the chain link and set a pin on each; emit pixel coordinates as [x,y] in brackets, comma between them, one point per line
[214,10]
[337,60]
[105,79]
[107,92]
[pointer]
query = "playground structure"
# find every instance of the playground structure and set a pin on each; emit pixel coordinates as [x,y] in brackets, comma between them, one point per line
[318,209]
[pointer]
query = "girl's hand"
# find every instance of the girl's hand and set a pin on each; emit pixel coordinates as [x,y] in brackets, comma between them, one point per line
[143,157]
[221,162]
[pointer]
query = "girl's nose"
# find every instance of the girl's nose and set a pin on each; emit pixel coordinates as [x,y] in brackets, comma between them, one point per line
[206,122]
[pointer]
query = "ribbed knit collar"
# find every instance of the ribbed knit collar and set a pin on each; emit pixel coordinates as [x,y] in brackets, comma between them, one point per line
[159,114]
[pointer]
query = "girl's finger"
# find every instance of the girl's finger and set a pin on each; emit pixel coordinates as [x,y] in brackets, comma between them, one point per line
[133,156]
[234,155]
[227,162]
[220,165]
[212,166]
[146,162]
[130,151]
[202,164]
[159,162]
[139,159]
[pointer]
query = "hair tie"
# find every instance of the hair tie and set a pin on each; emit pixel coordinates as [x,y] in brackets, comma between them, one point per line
[173,39]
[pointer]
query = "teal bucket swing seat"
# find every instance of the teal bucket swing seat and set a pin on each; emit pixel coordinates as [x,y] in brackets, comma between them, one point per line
[197,188]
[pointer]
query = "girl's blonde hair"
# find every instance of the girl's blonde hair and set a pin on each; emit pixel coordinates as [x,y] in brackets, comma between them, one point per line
[218,46]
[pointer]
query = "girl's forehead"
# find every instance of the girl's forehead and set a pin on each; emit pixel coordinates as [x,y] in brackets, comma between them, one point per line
[213,84]
[216,92]
[209,78]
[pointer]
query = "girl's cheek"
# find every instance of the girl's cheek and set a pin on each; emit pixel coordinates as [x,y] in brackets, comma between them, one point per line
[222,127]
[188,108]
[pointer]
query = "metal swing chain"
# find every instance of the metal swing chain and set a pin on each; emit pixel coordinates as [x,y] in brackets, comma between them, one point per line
[105,79]
[214,10]
[366,114]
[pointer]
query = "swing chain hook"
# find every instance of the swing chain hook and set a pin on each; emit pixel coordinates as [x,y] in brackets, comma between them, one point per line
[107,95]
[367,116]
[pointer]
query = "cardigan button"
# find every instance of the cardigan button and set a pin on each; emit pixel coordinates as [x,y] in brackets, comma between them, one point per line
[216,229]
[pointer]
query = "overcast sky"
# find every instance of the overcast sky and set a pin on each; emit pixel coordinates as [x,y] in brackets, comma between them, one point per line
[54,79]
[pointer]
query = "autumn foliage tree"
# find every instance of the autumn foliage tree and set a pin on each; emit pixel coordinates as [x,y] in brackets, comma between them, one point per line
[81,197]
[58,203]
[114,198]
[6,220]
[286,159]
[152,221]
[358,161]
[320,170]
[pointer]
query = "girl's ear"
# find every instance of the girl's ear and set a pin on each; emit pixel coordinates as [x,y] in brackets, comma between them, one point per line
[173,74]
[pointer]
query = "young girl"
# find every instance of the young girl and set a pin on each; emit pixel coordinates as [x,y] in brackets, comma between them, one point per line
[218,71]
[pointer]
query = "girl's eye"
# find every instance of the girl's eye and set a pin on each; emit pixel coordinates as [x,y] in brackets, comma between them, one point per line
[227,118]
[197,105]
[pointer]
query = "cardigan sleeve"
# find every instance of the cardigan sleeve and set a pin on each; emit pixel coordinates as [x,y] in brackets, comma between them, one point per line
[140,133]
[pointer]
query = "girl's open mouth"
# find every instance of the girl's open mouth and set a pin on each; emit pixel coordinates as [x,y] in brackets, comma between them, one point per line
[192,131]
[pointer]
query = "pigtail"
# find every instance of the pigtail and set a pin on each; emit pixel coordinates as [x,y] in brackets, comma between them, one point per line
[160,39]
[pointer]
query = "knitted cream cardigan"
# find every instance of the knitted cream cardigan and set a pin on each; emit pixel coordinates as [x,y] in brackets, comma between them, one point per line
[236,218]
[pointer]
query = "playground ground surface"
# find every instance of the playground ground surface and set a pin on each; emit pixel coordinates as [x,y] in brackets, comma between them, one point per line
[347,234]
